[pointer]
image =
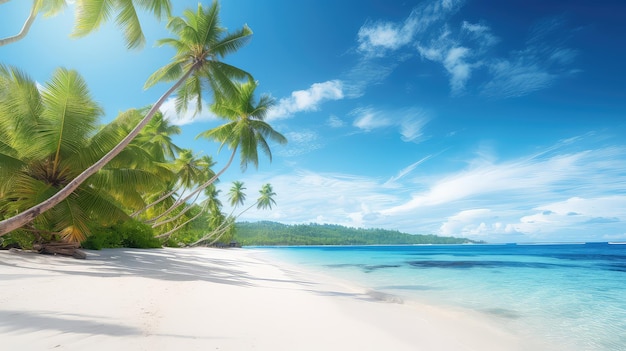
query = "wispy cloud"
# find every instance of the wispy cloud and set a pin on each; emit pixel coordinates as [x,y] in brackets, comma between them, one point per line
[307,100]
[531,176]
[545,196]
[169,112]
[463,47]
[405,171]
[409,121]
[536,67]
[335,122]
[301,142]
[376,39]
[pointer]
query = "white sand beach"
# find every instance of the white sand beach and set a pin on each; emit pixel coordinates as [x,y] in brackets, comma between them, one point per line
[211,299]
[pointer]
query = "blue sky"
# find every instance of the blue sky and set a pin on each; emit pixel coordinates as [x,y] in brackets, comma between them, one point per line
[495,120]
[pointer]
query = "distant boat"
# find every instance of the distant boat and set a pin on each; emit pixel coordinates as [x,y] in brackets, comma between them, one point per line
[617,242]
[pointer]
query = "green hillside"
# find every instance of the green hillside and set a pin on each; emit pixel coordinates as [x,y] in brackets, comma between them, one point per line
[272,233]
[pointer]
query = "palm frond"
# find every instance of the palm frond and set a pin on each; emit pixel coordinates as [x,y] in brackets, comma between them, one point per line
[128,20]
[90,14]
[233,42]
[159,8]
[70,114]
[168,73]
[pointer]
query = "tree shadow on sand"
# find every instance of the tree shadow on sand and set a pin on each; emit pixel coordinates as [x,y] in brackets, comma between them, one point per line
[25,321]
[163,264]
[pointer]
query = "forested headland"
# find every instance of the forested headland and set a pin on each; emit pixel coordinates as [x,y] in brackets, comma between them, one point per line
[267,233]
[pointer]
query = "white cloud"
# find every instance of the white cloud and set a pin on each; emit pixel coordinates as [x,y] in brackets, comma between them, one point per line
[481,33]
[575,211]
[551,196]
[377,38]
[301,142]
[369,119]
[536,67]
[335,122]
[516,78]
[410,121]
[530,177]
[464,47]
[307,100]
[454,57]
[366,73]
[455,63]
[469,223]
[405,171]
[169,113]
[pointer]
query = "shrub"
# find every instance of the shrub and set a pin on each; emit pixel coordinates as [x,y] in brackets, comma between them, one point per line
[130,233]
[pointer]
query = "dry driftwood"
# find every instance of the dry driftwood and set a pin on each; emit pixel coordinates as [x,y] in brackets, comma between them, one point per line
[61,248]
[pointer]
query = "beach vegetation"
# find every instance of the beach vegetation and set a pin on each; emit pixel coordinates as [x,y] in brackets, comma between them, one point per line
[273,234]
[130,233]
[78,172]
[50,134]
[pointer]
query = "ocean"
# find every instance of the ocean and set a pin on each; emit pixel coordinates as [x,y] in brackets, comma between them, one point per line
[571,295]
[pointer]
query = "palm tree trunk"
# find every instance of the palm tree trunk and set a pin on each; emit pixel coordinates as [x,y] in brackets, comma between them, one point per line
[203,186]
[175,217]
[136,213]
[221,229]
[25,28]
[156,218]
[170,232]
[22,218]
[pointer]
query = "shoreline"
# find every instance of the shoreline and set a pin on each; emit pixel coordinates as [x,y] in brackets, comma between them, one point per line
[212,299]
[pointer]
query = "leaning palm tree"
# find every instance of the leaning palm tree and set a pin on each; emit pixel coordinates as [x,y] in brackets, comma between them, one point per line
[246,131]
[49,135]
[200,45]
[190,171]
[264,201]
[90,14]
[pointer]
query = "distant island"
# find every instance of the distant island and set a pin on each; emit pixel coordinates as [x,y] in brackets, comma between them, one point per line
[266,233]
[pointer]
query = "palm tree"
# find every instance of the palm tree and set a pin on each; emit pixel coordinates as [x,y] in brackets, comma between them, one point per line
[90,14]
[200,46]
[264,201]
[211,203]
[246,132]
[189,170]
[156,137]
[236,195]
[49,135]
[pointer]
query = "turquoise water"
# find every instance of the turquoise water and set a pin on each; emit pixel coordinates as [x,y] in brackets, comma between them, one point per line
[573,296]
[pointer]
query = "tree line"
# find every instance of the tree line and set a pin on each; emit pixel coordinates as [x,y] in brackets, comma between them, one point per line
[272,233]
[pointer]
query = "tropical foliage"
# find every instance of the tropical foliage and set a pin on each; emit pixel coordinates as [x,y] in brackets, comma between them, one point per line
[271,233]
[90,14]
[49,135]
[64,176]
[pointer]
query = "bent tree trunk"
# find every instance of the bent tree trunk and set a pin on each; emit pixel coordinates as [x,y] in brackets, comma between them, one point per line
[179,202]
[29,22]
[25,217]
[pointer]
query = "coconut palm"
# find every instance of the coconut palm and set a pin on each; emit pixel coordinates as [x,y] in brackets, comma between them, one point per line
[236,195]
[211,204]
[201,43]
[264,201]
[156,137]
[90,14]
[190,170]
[49,135]
[246,130]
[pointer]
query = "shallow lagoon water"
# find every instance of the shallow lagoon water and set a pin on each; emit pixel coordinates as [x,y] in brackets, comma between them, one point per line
[572,295]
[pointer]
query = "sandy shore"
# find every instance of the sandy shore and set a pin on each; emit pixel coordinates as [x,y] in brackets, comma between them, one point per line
[209,299]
